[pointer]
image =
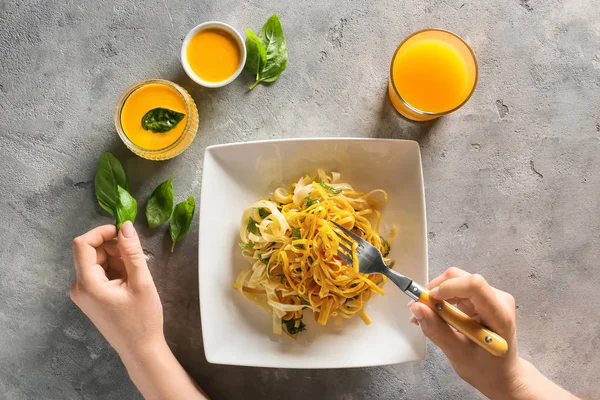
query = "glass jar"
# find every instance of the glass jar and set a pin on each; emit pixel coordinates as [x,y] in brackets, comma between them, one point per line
[159,149]
[433,73]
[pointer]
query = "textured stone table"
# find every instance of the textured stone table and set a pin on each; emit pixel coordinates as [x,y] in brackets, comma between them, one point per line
[512,179]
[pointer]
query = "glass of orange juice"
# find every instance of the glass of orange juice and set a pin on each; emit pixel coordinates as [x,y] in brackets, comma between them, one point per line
[433,73]
[153,94]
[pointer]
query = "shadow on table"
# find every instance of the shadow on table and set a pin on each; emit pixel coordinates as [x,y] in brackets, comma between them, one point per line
[391,125]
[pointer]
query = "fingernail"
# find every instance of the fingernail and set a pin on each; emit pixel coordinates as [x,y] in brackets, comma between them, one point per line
[416,312]
[433,292]
[128,230]
[419,316]
[410,302]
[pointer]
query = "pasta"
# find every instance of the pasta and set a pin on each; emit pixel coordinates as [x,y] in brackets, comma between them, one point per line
[292,248]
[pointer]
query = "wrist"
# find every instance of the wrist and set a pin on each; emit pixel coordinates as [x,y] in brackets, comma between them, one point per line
[158,375]
[514,385]
[521,385]
[144,352]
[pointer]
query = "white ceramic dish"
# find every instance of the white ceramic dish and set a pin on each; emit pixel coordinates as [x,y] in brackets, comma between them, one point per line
[238,332]
[208,25]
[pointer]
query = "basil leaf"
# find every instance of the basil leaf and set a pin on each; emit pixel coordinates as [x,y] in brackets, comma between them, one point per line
[267,53]
[264,212]
[248,245]
[161,120]
[273,38]
[387,246]
[109,174]
[126,207]
[331,189]
[181,220]
[252,226]
[310,201]
[264,260]
[160,204]
[290,326]
[296,234]
[304,301]
[256,54]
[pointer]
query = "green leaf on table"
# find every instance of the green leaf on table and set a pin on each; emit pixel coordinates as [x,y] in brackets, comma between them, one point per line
[267,53]
[109,174]
[256,54]
[273,38]
[181,219]
[160,204]
[161,120]
[126,207]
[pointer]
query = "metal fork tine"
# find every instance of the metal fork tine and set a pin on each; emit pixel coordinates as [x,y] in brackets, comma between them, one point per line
[346,258]
[346,254]
[346,249]
[345,239]
[353,235]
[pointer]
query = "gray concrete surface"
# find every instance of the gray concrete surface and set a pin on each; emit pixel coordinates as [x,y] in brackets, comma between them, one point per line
[512,179]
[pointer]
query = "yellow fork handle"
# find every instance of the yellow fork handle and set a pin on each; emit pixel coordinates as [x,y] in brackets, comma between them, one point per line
[487,339]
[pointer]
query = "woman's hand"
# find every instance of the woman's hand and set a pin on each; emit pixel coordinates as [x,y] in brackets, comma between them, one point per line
[507,377]
[115,290]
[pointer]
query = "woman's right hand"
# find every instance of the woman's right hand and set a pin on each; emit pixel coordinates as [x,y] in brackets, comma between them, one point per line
[114,288]
[507,377]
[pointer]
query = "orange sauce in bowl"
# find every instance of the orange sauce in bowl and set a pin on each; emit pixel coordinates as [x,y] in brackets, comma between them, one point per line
[213,54]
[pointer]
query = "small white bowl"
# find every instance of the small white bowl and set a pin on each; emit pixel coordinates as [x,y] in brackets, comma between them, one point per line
[211,25]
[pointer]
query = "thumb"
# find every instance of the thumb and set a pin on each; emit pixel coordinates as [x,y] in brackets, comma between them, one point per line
[438,331]
[132,254]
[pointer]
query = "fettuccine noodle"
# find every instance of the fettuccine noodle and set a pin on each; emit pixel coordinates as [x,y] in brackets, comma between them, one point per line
[293,248]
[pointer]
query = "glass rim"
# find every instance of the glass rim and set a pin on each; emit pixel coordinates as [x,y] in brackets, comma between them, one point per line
[429,113]
[121,102]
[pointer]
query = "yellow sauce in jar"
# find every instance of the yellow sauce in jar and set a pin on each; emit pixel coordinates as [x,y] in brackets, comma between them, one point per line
[148,95]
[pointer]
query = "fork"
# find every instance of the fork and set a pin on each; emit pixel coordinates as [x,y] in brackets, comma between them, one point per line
[370,261]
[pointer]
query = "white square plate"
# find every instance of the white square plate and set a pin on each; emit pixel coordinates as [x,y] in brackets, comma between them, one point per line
[238,332]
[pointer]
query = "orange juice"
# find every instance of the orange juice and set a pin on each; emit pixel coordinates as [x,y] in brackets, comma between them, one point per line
[213,54]
[433,72]
[147,95]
